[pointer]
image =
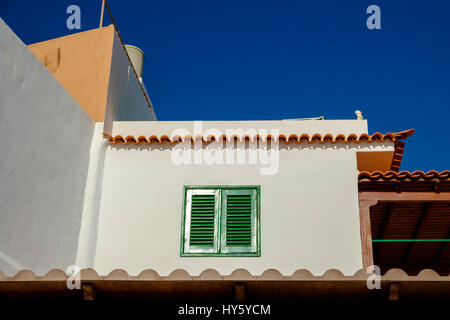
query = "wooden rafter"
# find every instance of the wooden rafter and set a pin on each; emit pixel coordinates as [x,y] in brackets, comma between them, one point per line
[383,228]
[417,231]
[441,251]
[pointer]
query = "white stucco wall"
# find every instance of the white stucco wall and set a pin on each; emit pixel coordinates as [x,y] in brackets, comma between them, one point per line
[125,100]
[45,137]
[286,127]
[309,209]
[92,196]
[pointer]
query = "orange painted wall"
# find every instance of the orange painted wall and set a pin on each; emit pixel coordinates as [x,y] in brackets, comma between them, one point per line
[81,62]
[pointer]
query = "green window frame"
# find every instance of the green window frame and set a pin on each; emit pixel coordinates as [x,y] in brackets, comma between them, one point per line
[221,221]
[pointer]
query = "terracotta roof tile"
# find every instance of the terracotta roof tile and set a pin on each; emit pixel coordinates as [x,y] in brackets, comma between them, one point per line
[398,155]
[404,175]
[293,138]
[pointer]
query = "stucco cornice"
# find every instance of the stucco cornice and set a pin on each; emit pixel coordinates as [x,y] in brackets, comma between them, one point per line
[236,275]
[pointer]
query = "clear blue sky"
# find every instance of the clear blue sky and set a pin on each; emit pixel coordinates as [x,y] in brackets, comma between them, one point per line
[250,60]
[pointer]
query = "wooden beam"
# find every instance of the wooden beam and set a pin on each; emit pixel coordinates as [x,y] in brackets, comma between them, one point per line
[88,291]
[416,232]
[239,291]
[438,258]
[383,228]
[441,251]
[405,196]
[436,185]
[385,222]
[394,291]
[365,231]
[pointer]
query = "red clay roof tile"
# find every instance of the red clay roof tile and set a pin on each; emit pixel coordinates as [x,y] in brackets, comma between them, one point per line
[293,138]
[404,175]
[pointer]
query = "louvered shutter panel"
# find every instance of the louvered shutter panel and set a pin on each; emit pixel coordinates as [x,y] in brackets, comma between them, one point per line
[239,221]
[201,226]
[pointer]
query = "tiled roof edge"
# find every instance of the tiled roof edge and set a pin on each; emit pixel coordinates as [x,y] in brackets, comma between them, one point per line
[238,274]
[404,175]
[293,138]
[399,148]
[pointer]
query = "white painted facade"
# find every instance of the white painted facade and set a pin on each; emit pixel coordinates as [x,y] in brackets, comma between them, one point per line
[125,100]
[309,209]
[69,197]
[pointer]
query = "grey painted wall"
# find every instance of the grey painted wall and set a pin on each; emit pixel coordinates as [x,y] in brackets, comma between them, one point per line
[45,138]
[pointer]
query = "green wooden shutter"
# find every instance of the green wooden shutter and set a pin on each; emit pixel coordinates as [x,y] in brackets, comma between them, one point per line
[239,221]
[201,221]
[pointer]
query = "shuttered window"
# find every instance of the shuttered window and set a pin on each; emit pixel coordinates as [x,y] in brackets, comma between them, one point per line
[221,220]
[201,220]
